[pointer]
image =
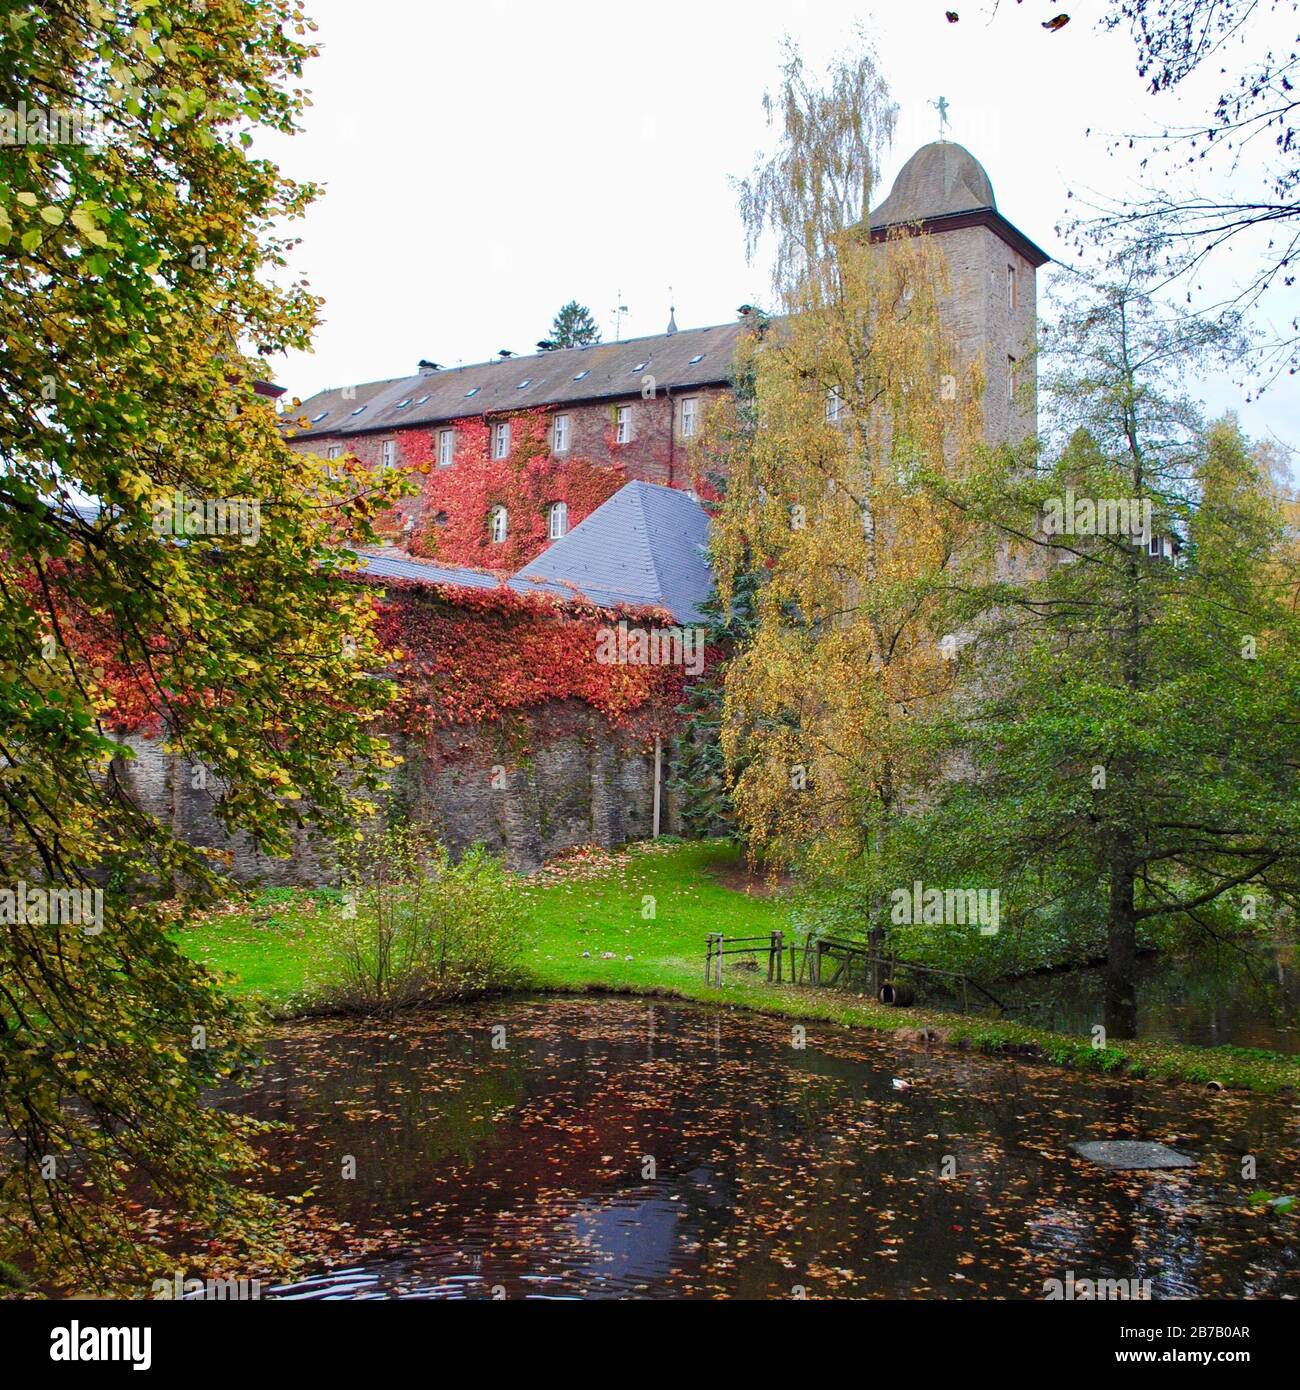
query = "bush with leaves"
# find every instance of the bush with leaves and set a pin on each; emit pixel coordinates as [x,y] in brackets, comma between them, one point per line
[413,927]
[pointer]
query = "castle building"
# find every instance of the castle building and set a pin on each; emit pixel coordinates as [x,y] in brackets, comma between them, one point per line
[633,407]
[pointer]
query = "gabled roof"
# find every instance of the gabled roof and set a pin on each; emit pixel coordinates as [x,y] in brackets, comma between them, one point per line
[647,546]
[602,371]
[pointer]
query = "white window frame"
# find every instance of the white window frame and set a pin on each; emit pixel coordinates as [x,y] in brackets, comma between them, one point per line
[557,512]
[334,451]
[690,409]
[622,424]
[388,453]
[498,524]
[834,405]
[560,434]
[446,448]
[501,439]
[1011,379]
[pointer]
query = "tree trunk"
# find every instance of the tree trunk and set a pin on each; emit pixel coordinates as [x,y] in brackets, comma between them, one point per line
[1121,949]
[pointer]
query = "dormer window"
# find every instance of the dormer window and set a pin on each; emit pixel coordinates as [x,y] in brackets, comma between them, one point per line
[498,524]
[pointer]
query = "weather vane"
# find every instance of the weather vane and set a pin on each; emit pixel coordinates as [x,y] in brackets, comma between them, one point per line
[941,106]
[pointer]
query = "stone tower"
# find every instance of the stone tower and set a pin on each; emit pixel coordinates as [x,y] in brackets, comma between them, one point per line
[992,266]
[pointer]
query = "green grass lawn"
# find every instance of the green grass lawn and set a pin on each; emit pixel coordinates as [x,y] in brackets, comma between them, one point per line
[637,921]
[265,945]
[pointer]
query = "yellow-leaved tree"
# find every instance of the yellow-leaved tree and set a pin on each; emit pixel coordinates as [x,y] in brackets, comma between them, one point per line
[852,408]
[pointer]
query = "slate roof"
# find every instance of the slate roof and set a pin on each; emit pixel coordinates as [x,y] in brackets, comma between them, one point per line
[567,375]
[645,546]
[425,572]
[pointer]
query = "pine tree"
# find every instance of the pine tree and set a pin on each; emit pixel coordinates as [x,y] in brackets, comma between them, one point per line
[699,773]
[573,326]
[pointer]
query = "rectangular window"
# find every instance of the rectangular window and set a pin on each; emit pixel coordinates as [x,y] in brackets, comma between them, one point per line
[688,417]
[387,452]
[834,403]
[560,434]
[623,425]
[501,440]
[334,451]
[1011,287]
[446,448]
[1011,379]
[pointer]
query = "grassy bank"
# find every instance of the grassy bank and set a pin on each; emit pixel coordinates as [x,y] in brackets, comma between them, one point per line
[636,922]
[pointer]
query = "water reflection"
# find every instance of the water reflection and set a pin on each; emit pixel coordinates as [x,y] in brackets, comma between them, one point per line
[625,1149]
[1251,1002]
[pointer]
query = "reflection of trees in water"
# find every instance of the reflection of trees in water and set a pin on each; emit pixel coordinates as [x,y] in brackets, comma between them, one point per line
[1245,1001]
[774,1166]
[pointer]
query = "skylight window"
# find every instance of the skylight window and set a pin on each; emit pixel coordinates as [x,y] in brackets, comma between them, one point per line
[527,381]
[358,410]
[580,375]
[473,391]
[316,419]
[640,367]
[699,357]
[422,401]
[401,405]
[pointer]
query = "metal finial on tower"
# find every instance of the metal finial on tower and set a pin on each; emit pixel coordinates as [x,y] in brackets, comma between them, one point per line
[941,106]
[672,312]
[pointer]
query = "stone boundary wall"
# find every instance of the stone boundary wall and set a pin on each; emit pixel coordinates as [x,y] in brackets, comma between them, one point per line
[556,777]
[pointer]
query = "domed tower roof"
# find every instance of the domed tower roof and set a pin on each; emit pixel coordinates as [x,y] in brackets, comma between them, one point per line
[943,187]
[939,179]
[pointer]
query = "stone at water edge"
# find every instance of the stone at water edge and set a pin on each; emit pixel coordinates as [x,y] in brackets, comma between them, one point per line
[1132,1154]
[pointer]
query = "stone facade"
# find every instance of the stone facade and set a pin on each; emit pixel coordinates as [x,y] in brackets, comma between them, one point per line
[560,778]
[989,326]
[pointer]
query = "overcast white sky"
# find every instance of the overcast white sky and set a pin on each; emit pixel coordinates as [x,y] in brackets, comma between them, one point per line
[486,162]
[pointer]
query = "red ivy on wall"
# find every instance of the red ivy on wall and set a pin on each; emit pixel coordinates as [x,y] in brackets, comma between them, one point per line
[475,655]
[456,501]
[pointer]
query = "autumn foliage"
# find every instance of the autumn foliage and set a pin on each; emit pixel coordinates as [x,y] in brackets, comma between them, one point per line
[455,501]
[479,655]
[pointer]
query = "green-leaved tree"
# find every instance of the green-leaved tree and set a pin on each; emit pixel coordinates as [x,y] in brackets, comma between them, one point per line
[140,252]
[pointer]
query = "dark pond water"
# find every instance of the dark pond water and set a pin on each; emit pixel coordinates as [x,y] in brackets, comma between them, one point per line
[1245,1003]
[616,1148]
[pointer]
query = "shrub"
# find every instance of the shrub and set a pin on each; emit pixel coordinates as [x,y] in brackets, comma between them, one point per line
[412,927]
